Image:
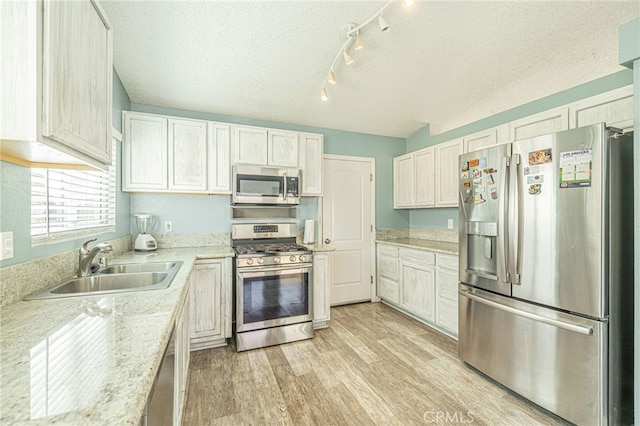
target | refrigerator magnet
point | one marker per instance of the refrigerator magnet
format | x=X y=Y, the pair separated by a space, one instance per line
x=494 y=193
x=540 y=157
x=464 y=175
x=535 y=179
x=474 y=163
x=479 y=199
x=490 y=180
x=464 y=166
x=535 y=189
x=482 y=162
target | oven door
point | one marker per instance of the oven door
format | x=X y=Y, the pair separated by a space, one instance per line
x=273 y=296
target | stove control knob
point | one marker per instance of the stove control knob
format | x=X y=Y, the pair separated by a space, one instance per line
x=260 y=261
x=276 y=259
x=303 y=258
x=249 y=261
x=292 y=258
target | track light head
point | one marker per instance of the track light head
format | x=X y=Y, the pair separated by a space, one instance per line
x=347 y=58
x=359 y=44
x=408 y=3
x=384 y=27
x=332 y=77
x=323 y=95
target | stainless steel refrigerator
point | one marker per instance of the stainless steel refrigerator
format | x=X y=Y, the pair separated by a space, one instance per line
x=546 y=271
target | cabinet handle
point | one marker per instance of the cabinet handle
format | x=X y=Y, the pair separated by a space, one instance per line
x=327 y=241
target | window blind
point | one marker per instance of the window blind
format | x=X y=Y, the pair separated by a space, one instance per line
x=66 y=204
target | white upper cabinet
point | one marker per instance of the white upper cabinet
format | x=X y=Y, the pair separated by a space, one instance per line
x=615 y=108
x=265 y=147
x=480 y=140
x=424 y=165
x=169 y=154
x=311 y=150
x=145 y=152
x=447 y=173
x=282 y=148
x=57 y=76
x=543 y=123
x=250 y=145
x=187 y=155
x=403 y=181
x=219 y=145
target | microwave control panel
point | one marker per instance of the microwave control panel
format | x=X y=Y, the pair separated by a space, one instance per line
x=292 y=187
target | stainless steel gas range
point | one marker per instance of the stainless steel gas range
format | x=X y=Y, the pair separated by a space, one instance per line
x=273 y=279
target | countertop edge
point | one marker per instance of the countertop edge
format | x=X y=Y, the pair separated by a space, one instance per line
x=420 y=244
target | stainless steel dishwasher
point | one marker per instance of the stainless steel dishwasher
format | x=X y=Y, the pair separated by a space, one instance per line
x=159 y=409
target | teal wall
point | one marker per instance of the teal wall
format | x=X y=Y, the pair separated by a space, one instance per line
x=337 y=142
x=15 y=199
x=437 y=218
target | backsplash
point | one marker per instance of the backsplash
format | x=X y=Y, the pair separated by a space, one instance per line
x=444 y=235
x=193 y=240
x=22 y=279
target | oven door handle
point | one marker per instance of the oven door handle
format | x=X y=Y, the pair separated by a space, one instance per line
x=261 y=271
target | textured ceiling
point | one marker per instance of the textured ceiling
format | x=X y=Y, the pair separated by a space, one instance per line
x=446 y=63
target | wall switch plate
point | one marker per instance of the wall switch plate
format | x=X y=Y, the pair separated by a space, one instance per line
x=450 y=223
x=168 y=227
x=6 y=245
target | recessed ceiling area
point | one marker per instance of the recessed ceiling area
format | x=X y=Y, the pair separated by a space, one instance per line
x=444 y=63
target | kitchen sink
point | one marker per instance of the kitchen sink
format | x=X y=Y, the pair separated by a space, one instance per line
x=115 y=279
x=128 y=268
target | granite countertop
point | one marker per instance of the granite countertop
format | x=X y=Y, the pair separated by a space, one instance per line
x=317 y=248
x=416 y=243
x=90 y=360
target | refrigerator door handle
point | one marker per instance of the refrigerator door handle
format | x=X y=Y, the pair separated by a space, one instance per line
x=502 y=232
x=576 y=328
x=514 y=220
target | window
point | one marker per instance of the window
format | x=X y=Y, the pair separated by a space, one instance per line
x=68 y=204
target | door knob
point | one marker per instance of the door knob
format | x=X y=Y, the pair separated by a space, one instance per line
x=327 y=241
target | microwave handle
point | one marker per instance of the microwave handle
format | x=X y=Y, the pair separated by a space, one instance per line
x=285 y=189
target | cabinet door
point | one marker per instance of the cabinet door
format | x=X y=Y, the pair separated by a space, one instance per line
x=182 y=357
x=447 y=293
x=145 y=152
x=321 y=288
x=207 y=313
x=76 y=78
x=403 y=184
x=447 y=173
x=540 y=124
x=614 y=108
x=418 y=290
x=424 y=164
x=250 y=145
x=219 y=169
x=480 y=140
x=282 y=148
x=187 y=155
x=311 y=150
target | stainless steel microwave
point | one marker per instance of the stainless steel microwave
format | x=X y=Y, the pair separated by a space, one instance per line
x=258 y=185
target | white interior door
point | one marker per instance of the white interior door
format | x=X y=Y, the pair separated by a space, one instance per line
x=347 y=225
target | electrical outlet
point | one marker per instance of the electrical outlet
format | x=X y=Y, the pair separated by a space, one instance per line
x=6 y=245
x=168 y=227
x=450 y=224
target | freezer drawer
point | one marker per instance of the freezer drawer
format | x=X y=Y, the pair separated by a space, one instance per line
x=554 y=359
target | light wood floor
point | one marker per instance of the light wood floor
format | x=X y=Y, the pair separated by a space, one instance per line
x=373 y=365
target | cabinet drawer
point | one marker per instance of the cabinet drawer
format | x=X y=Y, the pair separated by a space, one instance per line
x=385 y=250
x=448 y=315
x=419 y=256
x=448 y=262
x=388 y=290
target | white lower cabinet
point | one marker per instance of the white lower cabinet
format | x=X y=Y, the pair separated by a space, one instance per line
x=211 y=307
x=447 y=293
x=321 y=289
x=421 y=283
x=182 y=357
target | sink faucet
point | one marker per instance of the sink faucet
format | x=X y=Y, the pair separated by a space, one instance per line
x=87 y=256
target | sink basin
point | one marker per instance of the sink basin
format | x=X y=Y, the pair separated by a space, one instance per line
x=104 y=283
x=128 y=268
x=115 y=279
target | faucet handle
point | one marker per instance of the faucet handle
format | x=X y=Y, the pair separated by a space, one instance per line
x=85 y=245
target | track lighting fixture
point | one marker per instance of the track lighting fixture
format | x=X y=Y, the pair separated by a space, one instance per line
x=384 y=27
x=347 y=58
x=354 y=37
